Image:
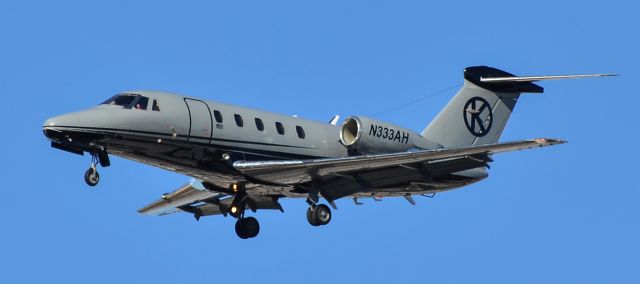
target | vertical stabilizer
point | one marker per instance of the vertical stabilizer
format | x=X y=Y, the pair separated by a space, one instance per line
x=479 y=112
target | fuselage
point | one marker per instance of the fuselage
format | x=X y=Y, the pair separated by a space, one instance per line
x=199 y=138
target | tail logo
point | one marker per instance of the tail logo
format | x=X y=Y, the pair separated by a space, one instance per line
x=474 y=110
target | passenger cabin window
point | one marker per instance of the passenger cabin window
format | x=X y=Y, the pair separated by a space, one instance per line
x=259 y=124
x=218 y=116
x=155 y=106
x=239 y=121
x=280 y=128
x=300 y=131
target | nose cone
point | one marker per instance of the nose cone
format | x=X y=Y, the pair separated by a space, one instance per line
x=60 y=120
x=50 y=122
x=77 y=124
x=72 y=119
x=49 y=128
x=54 y=126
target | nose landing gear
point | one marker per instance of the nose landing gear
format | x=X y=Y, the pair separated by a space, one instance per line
x=91 y=176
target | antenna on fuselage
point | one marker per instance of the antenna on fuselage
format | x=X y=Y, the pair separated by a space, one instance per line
x=334 y=120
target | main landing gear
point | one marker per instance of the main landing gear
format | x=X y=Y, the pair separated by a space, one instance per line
x=91 y=176
x=319 y=215
x=246 y=227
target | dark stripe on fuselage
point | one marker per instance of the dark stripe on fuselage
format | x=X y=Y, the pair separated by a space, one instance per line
x=243 y=150
x=182 y=136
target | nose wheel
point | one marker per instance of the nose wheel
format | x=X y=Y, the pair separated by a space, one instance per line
x=319 y=215
x=91 y=176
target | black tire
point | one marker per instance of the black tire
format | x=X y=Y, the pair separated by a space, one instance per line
x=251 y=227
x=321 y=215
x=240 y=229
x=310 y=218
x=247 y=228
x=91 y=177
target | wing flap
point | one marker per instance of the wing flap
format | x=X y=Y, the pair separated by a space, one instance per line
x=185 y=195
x=300 y=171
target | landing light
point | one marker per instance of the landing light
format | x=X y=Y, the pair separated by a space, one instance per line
x=234 y=209
x=235 y=187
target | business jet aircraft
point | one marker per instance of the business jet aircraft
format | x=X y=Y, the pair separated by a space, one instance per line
x=243 y=158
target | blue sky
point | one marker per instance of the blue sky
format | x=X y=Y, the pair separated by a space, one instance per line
x=561 y=214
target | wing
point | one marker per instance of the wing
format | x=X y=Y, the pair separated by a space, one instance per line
x=339 y=176
x=202 y=202
x=302 y=171
x=183 y=196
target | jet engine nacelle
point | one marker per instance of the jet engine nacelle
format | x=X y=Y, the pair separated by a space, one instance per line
x=368 y=136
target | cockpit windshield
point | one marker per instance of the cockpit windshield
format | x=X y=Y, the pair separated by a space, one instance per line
x=128 y=101
x=123 y=100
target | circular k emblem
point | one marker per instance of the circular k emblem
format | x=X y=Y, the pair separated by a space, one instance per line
x=478 y=116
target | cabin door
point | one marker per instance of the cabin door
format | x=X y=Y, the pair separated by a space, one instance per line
x=200 y=121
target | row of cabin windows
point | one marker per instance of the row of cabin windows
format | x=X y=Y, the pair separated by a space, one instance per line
x=259 y=124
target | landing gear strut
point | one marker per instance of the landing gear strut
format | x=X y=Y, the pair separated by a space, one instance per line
x=319 y=215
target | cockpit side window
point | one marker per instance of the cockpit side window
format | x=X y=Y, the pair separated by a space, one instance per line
x=155 y=106
x=142 y=103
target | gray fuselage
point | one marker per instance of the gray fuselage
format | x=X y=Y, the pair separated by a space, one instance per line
x=202 y=138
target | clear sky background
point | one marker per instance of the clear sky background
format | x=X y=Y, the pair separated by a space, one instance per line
x=566 y=213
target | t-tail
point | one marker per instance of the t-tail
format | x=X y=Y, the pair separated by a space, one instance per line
x=479 y=112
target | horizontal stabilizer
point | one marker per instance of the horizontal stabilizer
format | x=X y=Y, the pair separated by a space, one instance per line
x=499 y=81
x=539 y=78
